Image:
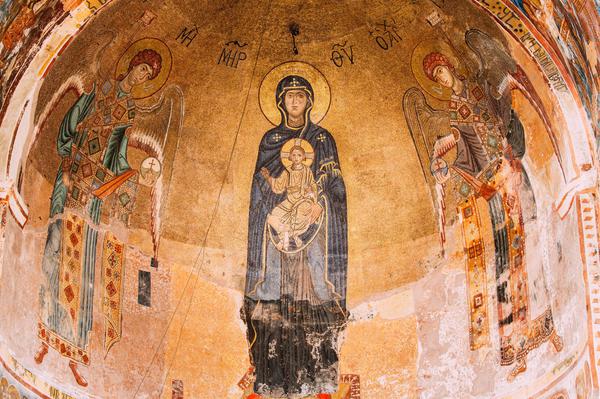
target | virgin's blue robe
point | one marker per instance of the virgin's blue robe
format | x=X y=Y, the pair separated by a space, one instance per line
x=294 y=340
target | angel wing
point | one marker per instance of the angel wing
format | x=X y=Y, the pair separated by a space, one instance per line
x=493 y=60
x=426 y=125
x=98 y=57
x=95 y=55
x=156 y=132
x=74 y=83
x=498 y=69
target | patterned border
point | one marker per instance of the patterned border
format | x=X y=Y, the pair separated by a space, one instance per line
x=479 y=326
x=65 y=348
x=514 y=24
x=587 y=210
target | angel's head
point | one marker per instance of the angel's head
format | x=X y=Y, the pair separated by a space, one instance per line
x=438 y=68
x=144 y=66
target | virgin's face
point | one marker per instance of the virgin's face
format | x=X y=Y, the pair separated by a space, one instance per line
x=295 y=102
x=443 y=76
x=139 y=74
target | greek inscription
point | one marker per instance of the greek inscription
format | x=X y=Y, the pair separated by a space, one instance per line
x=187 y=36
x=232 y=54
x=512 y=22
x=386 y=34
x=342 y=52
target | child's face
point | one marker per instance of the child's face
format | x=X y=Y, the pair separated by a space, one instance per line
x=296 y=156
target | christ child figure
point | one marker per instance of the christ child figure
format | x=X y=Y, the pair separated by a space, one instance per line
x=294 y=215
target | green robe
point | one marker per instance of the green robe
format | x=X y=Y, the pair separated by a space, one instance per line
x=75 y=145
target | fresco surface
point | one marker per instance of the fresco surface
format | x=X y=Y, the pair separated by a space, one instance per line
x=284 y=199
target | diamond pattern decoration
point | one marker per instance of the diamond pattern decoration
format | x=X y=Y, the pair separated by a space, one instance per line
x=464 y=111
x=110 y=289
x=100 y=174
x=124 y=198
x=69 y=293
x=94 y=146
x=477 y=93
x=86 y=170
x=119 y=112
x=492 y=142
x=468 y=212
x=74 y=239
x=113 y=260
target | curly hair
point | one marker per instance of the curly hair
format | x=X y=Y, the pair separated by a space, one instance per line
x=434 y=60
x=146 y=56
x=299 y=148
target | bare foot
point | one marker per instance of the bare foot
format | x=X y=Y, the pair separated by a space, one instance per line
x=520 y=367
x=41 y=353
x=78 y=377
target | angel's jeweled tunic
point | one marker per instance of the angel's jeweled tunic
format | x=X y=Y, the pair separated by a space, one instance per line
x=525 y=320
x=92 y=142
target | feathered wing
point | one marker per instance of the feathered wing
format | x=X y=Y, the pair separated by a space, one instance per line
x=97 y=56
x=156 y=132
x=503 y=74
x=74 y=83
x=425 y=125
x=494 y=61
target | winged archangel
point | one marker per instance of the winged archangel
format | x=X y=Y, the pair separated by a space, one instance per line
x=96 y=186
x=472 y=150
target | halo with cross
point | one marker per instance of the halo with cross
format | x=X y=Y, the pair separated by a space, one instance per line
x=309 y=152
x=268 y=88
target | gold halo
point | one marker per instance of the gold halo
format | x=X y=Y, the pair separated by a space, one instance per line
x=419 y=53
x=268 y=88
x=287 y=146
x=149 y=87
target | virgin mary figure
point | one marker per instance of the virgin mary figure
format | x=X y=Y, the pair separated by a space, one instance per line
x=295 y=294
